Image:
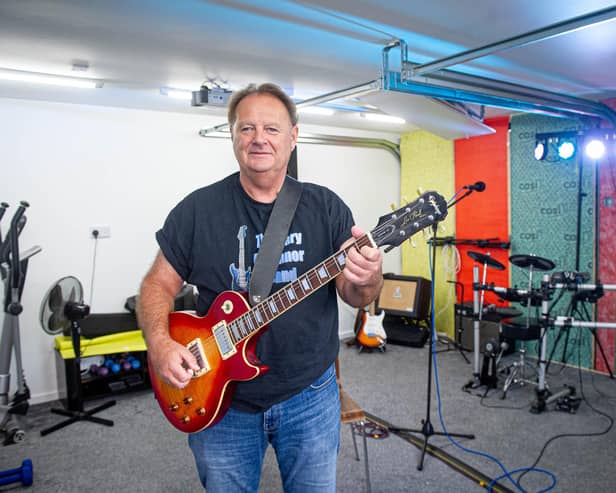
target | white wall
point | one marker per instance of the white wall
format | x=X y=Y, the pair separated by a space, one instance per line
x=81 y=165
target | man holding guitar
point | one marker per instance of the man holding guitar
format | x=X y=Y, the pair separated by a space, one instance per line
x=236 y=389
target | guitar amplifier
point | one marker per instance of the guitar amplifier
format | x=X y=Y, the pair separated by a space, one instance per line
x=405 y=296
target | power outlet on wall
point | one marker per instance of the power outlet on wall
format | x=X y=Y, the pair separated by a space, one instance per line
x=100 y=231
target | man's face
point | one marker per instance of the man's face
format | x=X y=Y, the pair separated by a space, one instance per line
x=263 y=137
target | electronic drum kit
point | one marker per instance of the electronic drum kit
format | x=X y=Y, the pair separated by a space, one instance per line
x=516 y=327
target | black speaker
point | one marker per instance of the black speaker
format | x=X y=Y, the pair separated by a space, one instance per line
x=405 y=331
x=102 y=324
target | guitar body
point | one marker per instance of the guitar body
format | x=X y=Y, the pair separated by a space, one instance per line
x=371 y=333
x=204 y=401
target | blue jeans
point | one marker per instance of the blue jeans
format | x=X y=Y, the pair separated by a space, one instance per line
x=304 y=431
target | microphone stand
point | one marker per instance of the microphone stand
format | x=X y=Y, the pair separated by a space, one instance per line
x=462 y=197
x=427 y=430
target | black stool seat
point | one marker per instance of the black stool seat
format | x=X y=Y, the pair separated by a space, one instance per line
x=521 y=328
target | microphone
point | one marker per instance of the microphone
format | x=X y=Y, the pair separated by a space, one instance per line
x=478 y=186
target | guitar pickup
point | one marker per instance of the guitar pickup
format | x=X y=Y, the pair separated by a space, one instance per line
x=223 y=340
x=196 y=348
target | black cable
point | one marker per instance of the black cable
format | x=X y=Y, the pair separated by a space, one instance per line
x=582 y=435
x=95 y=235
x=511 y=408
x=601 y=393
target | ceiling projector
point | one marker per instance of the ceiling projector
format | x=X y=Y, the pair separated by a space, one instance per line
x=206 y=96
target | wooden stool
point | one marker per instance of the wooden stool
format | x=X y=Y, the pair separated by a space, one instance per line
x=351 y=413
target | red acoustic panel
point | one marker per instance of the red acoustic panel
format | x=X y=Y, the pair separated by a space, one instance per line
x=484 y=215
x=606 y=307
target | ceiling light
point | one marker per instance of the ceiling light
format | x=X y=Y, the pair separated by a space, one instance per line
x=315 y=110
x=566 y=149
x=55 y=80
x=595 y=149
x=176 y=93
x=380 y=117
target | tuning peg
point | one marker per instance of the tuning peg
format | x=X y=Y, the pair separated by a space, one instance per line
x=413 y=244
x=419 y=190
x=393 y=206
x=405 y=200
x=441 y=228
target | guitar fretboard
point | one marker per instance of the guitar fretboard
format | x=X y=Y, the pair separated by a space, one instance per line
x=291 y=294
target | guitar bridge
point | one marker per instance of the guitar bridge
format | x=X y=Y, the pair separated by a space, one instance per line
x=196 y=348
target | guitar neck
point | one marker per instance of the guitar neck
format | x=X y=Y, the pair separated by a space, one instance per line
x=391 y=230
x=291 y=294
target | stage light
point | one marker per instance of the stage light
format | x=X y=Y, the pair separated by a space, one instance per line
x=541 y=150
x=595 y=148
x=556 y=146
x=565 y=149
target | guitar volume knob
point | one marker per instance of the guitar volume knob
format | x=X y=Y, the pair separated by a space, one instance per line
x=188 y=399
x=185 y=420
x=174 y=406
x=201 y=411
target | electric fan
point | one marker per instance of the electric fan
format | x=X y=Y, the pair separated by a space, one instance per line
x=65 y=295
x=61 y=310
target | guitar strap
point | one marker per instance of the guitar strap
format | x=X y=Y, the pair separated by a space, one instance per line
x=273 y=241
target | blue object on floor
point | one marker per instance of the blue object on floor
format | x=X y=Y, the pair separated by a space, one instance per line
x=22 y=474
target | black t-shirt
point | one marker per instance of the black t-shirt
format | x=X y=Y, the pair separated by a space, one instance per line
x=211 y=239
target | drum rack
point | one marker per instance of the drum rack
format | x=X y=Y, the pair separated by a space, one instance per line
x=533 y=297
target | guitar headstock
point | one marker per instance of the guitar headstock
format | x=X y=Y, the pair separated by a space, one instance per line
x=398 y=226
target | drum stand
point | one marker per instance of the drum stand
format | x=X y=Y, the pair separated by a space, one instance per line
x=572 y=311
x=544 y=397
x=517 y=367
x=477 y=380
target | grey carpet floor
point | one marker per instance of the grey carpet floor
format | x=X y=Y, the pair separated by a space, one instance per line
x=142 y=452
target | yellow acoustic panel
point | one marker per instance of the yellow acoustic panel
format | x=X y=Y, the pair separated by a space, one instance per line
x=427 y=163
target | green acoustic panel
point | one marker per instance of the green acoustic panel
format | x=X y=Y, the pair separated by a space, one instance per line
x=544 y=211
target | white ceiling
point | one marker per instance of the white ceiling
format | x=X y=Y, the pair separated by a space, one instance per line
x=309 y=47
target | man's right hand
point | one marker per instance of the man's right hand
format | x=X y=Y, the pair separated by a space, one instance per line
x=172 y=362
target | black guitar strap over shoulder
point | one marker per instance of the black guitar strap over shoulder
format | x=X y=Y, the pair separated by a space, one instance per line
x=273 y=241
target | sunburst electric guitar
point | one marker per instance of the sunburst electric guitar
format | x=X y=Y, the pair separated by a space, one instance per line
x=224 y=340
x=371 y=333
